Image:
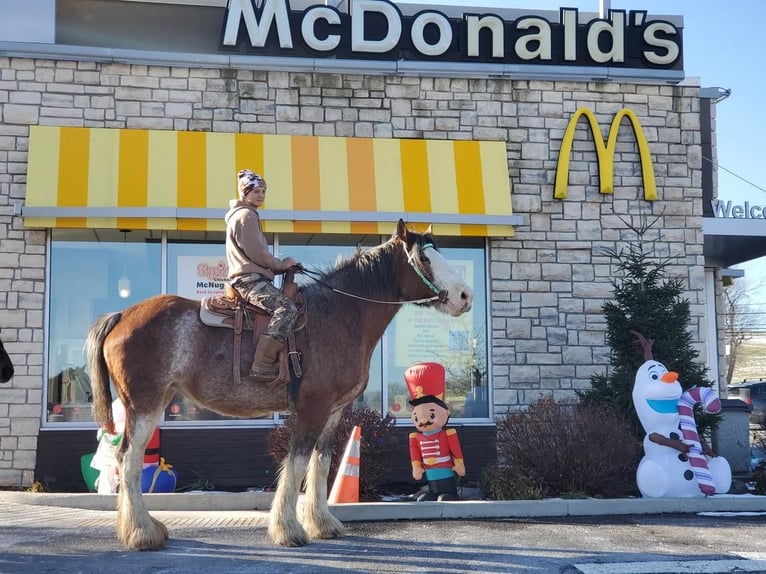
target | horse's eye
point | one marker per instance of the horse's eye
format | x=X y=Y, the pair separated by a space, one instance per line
x=424 y=259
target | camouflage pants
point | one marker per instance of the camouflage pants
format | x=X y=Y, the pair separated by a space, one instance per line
x=263 y=294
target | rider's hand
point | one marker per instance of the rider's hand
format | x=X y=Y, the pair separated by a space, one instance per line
x=288 y=262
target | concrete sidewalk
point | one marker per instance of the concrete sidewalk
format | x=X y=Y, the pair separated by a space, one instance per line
x=228 y=503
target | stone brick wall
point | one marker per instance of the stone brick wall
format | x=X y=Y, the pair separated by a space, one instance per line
x=547 y=283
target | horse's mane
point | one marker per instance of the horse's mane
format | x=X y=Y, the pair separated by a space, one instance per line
x=366 y=272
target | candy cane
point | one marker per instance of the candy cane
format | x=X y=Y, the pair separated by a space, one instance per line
x=710 y=402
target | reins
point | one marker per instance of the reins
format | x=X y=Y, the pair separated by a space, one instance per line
x=440 y=295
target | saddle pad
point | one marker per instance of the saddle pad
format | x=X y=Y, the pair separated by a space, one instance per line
x=213 y=319
x=218 y=311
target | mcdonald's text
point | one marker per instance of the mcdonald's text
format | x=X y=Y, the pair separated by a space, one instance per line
x=377 y=29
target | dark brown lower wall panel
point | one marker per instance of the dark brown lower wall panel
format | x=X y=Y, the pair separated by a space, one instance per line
x=228 y=459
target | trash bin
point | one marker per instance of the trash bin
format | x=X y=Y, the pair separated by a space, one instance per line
x=731 y=439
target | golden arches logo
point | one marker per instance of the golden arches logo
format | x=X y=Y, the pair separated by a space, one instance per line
x=605 y=153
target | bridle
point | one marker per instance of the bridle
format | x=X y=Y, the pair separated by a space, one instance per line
x=440 y=295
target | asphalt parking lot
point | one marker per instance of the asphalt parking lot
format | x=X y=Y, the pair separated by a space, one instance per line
x=404 y=537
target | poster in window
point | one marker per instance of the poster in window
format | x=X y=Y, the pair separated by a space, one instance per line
x=424 y=334
x=201 y=276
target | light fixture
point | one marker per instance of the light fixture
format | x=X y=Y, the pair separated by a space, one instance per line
x=123 y=287
x=123 y=283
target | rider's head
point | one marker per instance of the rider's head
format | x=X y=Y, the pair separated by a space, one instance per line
x=248 y=181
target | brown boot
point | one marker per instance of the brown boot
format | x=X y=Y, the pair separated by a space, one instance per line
x=265 y=365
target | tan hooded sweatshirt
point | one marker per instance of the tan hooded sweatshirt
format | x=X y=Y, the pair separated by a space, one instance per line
x=247 y=250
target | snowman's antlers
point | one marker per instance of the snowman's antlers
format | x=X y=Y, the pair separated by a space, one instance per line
x=646 y=345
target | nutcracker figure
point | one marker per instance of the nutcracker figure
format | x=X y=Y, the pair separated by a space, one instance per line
x=434 y=450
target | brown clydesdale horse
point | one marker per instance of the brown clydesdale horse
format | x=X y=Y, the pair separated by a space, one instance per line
x=159 y=347
x=6 y=366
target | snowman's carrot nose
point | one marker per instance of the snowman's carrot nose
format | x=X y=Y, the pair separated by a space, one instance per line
x=669 y=377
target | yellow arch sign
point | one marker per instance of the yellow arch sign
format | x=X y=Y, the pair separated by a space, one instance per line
x=605 y=153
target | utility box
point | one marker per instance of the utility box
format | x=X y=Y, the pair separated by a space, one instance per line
x=731 y=439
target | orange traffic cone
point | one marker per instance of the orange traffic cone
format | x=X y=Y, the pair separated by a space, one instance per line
x=346 y=485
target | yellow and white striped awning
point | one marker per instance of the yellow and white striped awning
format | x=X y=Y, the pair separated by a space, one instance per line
x=153 y=179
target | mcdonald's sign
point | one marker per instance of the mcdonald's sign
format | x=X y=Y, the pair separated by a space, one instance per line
x=605 y=153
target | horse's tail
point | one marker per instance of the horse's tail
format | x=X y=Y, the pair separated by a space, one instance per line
x=99 y=372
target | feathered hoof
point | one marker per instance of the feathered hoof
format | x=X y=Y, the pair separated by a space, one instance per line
x=291 y=537
x=161 y=526
x=326 y=529
x=150 y=538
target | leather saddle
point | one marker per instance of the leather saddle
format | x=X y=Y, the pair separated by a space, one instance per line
x=233 y=312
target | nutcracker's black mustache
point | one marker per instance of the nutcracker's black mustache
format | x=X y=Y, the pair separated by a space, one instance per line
x=425 y=424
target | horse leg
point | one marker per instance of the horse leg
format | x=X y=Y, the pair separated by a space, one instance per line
x=318 y=521
x=284 y=527
x=135 y=526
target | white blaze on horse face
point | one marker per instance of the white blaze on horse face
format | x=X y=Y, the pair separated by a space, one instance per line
x=459 y=294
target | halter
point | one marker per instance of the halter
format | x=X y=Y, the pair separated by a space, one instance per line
x=441 y=296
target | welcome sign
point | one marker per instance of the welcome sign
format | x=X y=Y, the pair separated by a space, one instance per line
x=377 y=29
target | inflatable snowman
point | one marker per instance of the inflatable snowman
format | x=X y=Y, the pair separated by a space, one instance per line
x=673 y=464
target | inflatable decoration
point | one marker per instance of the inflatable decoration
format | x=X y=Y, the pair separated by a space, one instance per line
x=103 y=476
x=674 y=463
x=434 y=450
x=158 y=477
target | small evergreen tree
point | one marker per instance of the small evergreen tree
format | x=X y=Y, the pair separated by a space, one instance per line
x=648 y=302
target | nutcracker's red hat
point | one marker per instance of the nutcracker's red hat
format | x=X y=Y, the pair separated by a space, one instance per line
x=425 y=382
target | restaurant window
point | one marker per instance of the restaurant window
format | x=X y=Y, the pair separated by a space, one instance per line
x=98 y=271
x=92 y=272
x=320 y=253
x=418 y=334
x=196 y=268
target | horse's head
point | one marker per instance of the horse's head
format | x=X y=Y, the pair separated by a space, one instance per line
x=431 y=274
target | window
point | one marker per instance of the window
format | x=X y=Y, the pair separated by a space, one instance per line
x=98 y=271
x=321 y=253
x=196 y=268
x=92 y=272
x=419 y=334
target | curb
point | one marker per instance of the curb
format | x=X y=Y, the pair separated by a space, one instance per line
x=376 y=511
x=553 y=507
x=182 y=501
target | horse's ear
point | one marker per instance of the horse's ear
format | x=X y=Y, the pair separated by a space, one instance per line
x=401 y=230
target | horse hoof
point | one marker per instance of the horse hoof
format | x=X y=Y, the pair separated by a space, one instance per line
x=162 y=527
x=150 y=537
x=326 y=530
x=330 y=534
x=294 y=540
x=140 y=540
x=295 y=543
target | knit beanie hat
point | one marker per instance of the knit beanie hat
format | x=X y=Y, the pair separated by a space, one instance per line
x=246 y=180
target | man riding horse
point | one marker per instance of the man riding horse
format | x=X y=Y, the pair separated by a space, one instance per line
x=159 y=347
x=251 y=271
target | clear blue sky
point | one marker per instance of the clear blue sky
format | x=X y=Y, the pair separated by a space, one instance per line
x=724 y=43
